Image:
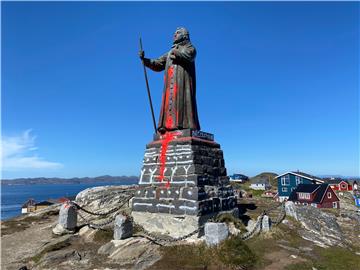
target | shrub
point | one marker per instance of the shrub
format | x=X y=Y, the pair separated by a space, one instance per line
x=233 y=252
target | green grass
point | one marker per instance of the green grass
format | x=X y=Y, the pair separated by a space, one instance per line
x=232 y=253
x=229 y=218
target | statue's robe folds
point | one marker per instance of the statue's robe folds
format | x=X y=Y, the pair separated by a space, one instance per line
x=178 y=106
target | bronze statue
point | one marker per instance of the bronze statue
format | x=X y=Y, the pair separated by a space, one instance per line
x=178 y=106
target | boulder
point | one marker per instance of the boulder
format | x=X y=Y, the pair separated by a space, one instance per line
x=215 y=233
x=318 y=226
x=68 y=216
x=102 y=200
x=140 y=253
x=123 y=227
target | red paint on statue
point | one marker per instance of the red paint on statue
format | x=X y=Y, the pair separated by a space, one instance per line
x=166 y=139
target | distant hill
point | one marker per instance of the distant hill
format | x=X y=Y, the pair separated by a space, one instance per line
x=75 y=180
x=268 y=175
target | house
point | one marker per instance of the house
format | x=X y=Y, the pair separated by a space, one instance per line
x=339 y=184
x=31 y=206
x=28 y=207
x=239 y=178
x=260 y=184
x=42 y=205
x=288 y=181
x=269 y=194
x=316 y=195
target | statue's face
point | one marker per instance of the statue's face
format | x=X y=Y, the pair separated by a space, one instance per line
x=179 y=35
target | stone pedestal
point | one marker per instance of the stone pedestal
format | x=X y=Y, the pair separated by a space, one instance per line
x=183 y=174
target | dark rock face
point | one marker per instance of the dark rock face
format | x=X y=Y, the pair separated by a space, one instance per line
x=183 y=173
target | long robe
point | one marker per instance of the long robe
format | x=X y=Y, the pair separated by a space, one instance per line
x=178 y=106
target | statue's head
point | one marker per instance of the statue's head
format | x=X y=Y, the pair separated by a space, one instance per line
x=181 y=34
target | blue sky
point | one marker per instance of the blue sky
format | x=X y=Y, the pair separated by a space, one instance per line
x=277 y=83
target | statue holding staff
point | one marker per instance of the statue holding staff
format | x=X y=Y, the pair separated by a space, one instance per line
x=178 y=106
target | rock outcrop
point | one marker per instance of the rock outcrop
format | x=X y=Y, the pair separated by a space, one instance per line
x=317 y=226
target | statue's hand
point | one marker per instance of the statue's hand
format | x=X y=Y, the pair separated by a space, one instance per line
x=173 y=54
x=141 y=54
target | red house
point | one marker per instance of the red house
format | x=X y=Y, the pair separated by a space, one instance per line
x=339 y=184
x=320 y=196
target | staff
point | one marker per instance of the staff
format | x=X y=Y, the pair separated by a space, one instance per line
x=148 y=88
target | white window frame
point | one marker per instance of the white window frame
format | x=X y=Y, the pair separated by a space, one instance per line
x=284 y=189
x=285 y=180
x=329 y=195
x=304 y=196
x=334 y=204
x=298 y=180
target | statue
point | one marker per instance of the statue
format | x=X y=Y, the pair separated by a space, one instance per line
x=178 y=106
x=183 y=180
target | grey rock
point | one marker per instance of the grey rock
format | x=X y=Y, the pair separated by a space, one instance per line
x=68 y=216
x=290 y=209
x=60 y=230
x=138 y=252
x=123 y=227
x=318 y=226
x=215 y=233
x=103 y=199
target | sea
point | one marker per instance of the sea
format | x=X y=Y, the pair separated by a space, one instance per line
x=14 y=196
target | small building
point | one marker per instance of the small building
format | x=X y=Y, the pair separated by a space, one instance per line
x=339 y=184
x=287 y=182
x=42 y=205
x=31 y=206
x=238 y=178
x=28 y=207
x=269 y=194
x=260 y=184
x=316 y=195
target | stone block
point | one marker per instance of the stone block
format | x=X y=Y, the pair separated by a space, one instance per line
x=123 y=227
x=266 y=223
x=68 y=216
x=143 y=205
x=215 y=233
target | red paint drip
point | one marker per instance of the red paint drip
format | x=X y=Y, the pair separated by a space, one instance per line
x=167 y=138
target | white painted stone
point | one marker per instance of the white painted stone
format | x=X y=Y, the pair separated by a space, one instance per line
x=215 y=233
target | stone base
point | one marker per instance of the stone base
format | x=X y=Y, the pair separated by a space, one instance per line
x=173 y=225
x=184 y=173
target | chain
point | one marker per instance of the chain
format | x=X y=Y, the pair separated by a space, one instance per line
x=107 y=222
x=106 y=213
x=97 y=225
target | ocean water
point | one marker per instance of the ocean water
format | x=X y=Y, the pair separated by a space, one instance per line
x=14 y=196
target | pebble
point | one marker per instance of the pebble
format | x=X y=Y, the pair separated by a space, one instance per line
x=293 y=256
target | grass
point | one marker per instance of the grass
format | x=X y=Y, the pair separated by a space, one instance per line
x=23 y=222
x=103 y=236
x=232 y=253
x=333 y=258
x=229 y=218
